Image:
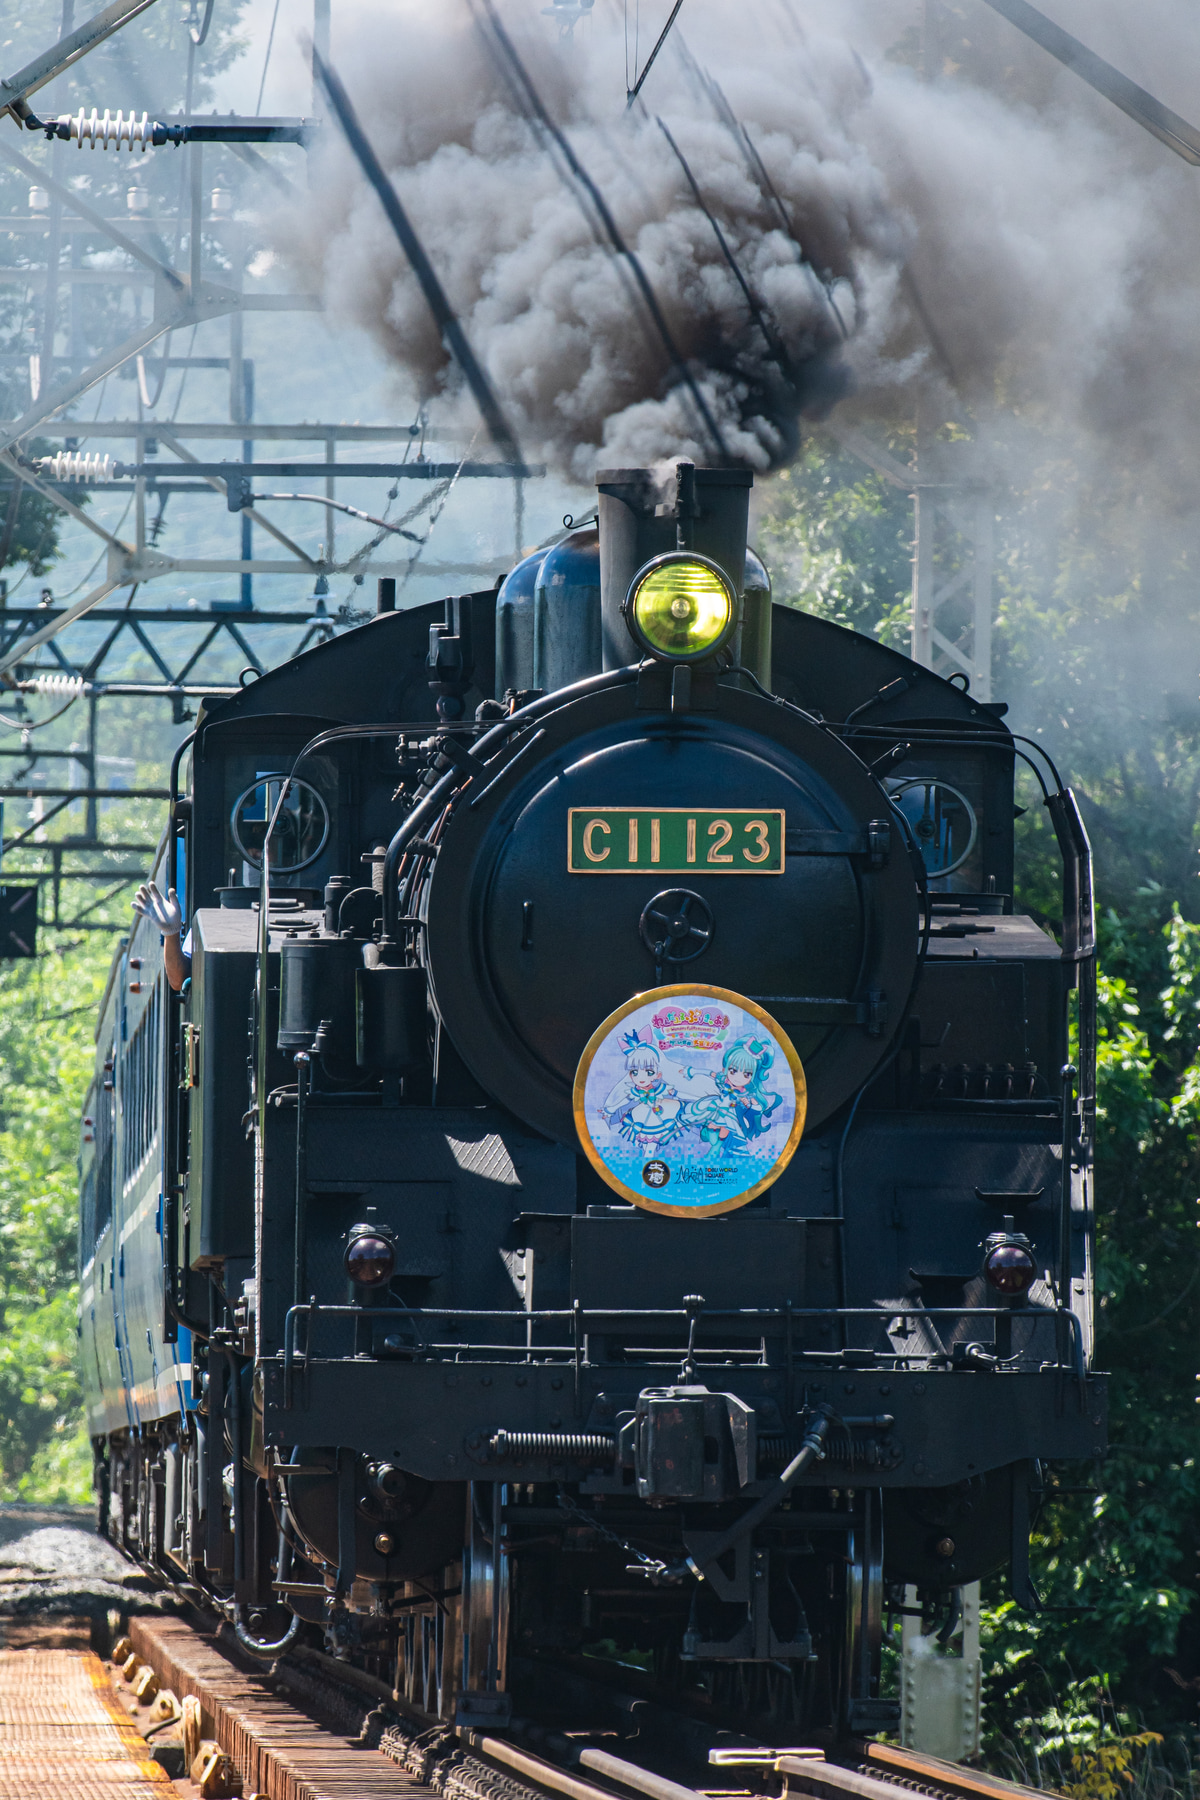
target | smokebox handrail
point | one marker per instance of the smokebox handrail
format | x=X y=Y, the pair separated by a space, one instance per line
x=428 y=808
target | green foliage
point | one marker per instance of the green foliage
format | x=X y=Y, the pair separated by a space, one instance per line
x=1108 y=1770
x=1096 y=606
x=47 y=1016
x=1096 y=611
x=837 y=539
x=1125 y=1557
x=29 y=523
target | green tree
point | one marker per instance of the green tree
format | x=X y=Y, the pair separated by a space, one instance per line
x=47 y=1020
x=1096 y=601
x=1126 y=1557
x=29 y=523
x=837 y=539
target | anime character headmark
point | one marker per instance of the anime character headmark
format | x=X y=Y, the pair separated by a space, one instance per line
x=646 y=1105
x=742 y=1106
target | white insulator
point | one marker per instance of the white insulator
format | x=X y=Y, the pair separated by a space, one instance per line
x=53 y=684
x=76 y=465
x=105 y=129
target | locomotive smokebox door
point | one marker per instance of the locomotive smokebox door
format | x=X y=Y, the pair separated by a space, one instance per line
x=762 y=841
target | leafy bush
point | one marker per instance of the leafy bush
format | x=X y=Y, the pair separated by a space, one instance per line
x=47 y=1017
x=1091 y=611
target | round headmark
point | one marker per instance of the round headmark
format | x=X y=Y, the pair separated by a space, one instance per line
x=689 y=1100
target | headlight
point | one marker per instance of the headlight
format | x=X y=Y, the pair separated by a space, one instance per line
x=1009 y=1265
x=681 y=608
x=370 y=1257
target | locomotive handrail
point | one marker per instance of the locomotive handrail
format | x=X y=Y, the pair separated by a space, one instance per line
x=580 y=1316
x=971 y=738
x=891 y=1310
x=172 y=788
x=427 y=808
x=917 y=863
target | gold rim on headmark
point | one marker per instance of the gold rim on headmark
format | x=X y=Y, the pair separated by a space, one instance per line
x=651 y=997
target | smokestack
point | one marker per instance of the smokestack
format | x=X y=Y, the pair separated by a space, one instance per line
x=642 y=516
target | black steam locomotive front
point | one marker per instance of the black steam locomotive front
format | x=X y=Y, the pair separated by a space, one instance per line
x=665 y=1216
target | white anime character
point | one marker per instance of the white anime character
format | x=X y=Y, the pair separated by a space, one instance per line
x=649 y=1105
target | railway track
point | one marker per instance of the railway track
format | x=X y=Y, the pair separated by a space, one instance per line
x=311 y=1728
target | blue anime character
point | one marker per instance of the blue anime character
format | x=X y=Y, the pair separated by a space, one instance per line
x=741 y=1108
x=650 y=1106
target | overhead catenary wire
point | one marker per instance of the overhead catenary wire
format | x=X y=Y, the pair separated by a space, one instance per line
x=426 y=500
x=633 y=92
x=761 y=175
x=439 y=491
x=453 y=335
x=85 y=580
x=267 y=59
x=355 y=512
x=415 y=558
x=539 y=117
x=775 y=344
x=26 y=725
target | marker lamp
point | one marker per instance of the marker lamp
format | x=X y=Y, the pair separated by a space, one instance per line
x=1010 y=1268
x=681 y=608
x=370 y=1257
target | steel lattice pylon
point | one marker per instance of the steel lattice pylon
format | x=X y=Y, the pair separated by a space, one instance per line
x=172 y=267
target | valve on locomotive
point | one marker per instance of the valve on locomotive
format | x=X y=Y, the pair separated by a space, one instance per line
x=347 y=999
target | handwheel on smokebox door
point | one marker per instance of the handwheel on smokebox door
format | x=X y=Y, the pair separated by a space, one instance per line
x=669 y=924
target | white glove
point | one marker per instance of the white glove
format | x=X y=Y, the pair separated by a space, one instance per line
x=166 y=914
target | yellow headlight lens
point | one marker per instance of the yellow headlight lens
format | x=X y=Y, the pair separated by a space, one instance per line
x=681 y=607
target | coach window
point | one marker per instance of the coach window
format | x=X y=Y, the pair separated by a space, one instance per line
x=105 y=1117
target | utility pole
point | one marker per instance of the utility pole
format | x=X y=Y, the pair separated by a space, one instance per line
x=953 y=523
x=320 y=48
x=953 y=562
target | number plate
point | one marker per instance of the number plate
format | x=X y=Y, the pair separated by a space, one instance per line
x=674 y=840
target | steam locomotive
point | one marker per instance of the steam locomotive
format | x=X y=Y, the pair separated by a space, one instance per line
x=613 y=1185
